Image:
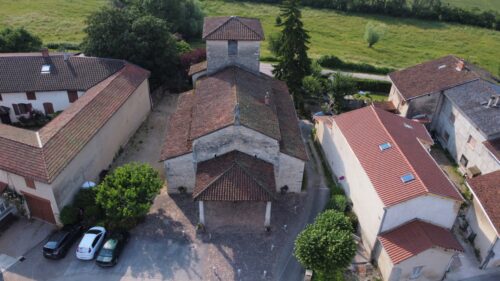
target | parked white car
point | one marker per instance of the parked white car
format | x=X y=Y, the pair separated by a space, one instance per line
x=90 y=243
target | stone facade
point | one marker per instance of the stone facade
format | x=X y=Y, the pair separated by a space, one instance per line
x=181 y=171
x=247 y=56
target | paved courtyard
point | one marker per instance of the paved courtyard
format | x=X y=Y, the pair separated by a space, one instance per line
x=167 y=246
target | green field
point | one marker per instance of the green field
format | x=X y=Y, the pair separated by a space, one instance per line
x=406 y=41
x=483 y=5
x=53 y=20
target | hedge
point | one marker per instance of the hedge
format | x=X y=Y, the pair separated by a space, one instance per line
x=334 y=62
x=373 y=85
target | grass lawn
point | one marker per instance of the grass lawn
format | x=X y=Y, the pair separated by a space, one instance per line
x=372 y=96
x=54 y=21
x=483 y=5
x=406 y=41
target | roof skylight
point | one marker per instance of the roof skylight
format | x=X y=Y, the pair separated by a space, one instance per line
x=45 y=68
x=408 y=126
x=407 y=177
x=384 y=146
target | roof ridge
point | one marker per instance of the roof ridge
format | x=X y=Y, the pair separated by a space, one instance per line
x=401 y=152
x=251 y=29
x=252 y=177
x=214 y=180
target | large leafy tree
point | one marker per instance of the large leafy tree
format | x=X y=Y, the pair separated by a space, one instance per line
x=134 y=36
x=127 y=194
x=339 y=86
x=326 y=246
x=293 y=63
x=19 y=40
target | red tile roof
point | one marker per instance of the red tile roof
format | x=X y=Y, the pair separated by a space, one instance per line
x=415 y=237
x=232 y=28
x=494 y=147
x=198 y=67
x=44 y=154
x=367 y=128
x=486 y=188
x=234 y=96
x=434 y=76
x=234 y=176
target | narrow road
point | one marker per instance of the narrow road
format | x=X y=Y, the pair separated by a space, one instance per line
x=318 y=195
x=267 y=69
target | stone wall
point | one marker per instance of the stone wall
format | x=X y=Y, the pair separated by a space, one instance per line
x=291 y=173
x=180 y=171
x=248 y=55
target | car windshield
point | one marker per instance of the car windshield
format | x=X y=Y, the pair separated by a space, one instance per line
x=51 y=245
x=94 y=231
x=106 y=253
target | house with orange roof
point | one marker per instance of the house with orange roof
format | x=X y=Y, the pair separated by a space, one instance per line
x=96 y=105
x=483 y=218
x=235 y=137
x=406 y=206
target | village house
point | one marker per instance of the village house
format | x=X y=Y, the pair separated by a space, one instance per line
x=461 y=105
x=483 y=218
x=235 y=136
x=97 y=105
x=405 y=204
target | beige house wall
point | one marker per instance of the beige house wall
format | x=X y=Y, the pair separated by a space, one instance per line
x=96 y=156
x=291 y=173
x=437 y=210
x=486 y=234
x=397 y=99
x=180 y=172
x=343 y=162
x=218 y=58
x=435 y=262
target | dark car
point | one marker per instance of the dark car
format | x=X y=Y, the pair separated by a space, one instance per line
x=59 y=243
x=110 y=251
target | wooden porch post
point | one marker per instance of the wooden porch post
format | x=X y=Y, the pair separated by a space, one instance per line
x=202 y=212
x=267 y=221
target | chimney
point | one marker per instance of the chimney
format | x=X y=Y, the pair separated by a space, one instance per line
x=460 y=65
x=267 y=98
x=66 y=56
x=45 y=52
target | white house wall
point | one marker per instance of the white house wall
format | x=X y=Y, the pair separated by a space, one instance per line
x=366 y=203
x=459 y=132
x=180 y=172
x=435 y=261
x=398 y=101
x=59 y=100
x=248 y=55
x=485 y=233
x=433 y=209
x=291 y=172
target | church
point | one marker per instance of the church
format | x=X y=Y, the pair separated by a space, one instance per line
x=235 y=137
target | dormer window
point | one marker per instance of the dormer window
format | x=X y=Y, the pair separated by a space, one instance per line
x=407 y=177
x=232 y=47
x=45 y=68
x=384 y=146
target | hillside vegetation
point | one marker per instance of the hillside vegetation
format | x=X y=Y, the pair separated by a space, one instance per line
x=483 y=5
x=406 y=41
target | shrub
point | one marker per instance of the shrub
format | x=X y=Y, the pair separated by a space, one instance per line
x=63 y=46
x=354 y=220
x=183 y=47
x=331 y=61
x=373 y=85
x=18 y=40
x=69 y=215
x=372 y=34
x=337 y=202
x=85 y=198
x=193 y=57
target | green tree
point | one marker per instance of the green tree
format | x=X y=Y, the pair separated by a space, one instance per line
x=312 y=86
x=293 y=63
x=126 y=195
x=19 y=40
x=129 y=34
x=326 y=246
x=339 y=86
x=373 y=34
x=184 y=16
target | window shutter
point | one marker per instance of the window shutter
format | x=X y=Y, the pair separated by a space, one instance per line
x=48 y=107
x=31 y=95
x=16 y=109
x=1 y=97
x=72 y=96
x=29 y=107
